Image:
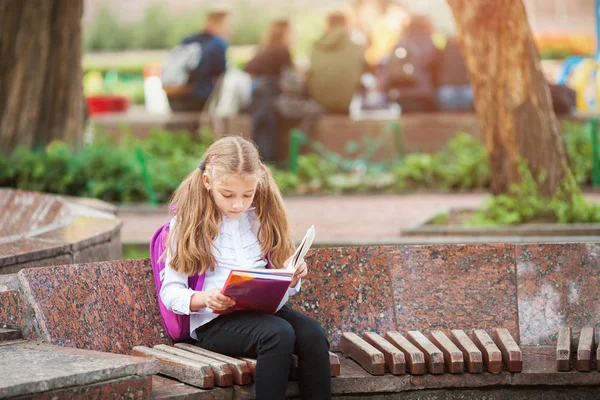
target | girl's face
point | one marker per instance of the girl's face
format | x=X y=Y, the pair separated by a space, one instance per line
x=232 y=195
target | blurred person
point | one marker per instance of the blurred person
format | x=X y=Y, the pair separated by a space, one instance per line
x=337 y=63
x=279 y=90
x=409 y=72
x=376 y=24
x=454 y=92
x=193 y=67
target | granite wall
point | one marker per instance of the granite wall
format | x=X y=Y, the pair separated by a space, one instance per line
x=530 y=289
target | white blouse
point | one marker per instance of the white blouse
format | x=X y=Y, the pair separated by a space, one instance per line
x=236 y=247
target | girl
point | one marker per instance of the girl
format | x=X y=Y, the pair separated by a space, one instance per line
x=230 y=215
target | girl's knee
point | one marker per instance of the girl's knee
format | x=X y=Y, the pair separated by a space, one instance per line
x=311 y=334
x=279 y=333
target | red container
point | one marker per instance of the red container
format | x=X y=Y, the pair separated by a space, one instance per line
x=105 y=104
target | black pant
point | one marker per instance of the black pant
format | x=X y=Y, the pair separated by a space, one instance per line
x=265 y=120
x=272 y=339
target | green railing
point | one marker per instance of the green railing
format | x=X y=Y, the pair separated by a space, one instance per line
x=358 y=154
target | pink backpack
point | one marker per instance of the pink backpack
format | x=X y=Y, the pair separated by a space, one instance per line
x=177 y=326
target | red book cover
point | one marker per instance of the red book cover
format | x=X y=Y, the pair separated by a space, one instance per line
x=260 y=290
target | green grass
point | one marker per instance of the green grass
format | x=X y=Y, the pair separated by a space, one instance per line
x=135 y=251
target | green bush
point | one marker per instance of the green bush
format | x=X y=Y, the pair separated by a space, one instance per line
x=461 y=164
x=579 y=148
x=524 y=203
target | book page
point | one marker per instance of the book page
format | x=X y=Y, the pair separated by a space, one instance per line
x=302 y=249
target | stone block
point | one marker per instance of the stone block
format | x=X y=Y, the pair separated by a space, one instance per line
x=30 y=368
x=463 y=297
x=559 y=285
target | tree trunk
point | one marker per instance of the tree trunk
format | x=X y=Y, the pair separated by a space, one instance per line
x=512 y=97
x=41 y=95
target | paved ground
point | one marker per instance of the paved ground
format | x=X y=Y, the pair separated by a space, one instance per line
x=337 y=219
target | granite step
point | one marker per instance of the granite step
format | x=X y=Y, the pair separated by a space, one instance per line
x=32 y=368
x=7 y=334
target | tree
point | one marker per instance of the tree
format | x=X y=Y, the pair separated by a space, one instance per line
x=41 y=95
x=512 y=97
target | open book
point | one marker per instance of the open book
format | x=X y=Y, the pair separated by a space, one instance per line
x=261 y=289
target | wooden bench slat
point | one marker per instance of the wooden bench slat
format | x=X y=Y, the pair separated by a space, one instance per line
x=394 y=357
x=563 y=349
x=470 y=351
x=453 y=356
x=584 y=349
x=251 y=364
x=415 y=359
x=239 y=369
x=511 y=352
x=434 y=358
x=221 y=370
x=183 y=369
x=336 y=367
x=371 y=359
x=492 y=356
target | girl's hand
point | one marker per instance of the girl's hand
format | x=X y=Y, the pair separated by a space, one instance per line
x=214 y=300
x=301 y=272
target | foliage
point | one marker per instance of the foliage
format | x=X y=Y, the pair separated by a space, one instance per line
x=106 y=170
x=106 y=33
x=461 y=164
x=161 y=29
x=579 y=148
x=524 y=203
x=115 y=170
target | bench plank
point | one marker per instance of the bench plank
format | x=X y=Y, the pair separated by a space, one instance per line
x=371 y=359
x=251 y=362
x=434 y=358
x=584 y=350
x=453 y=356
x=184 y=369
x=394 y=357
x=492 y=357
x=511 y=352
x=221 y=370
x=239 y=369
x=336 y=367
x=470 y=352
x=415 y=359
x=563 y=349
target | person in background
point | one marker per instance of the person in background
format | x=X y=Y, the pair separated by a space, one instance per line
x=200 y=58
x=454 y=92
x=337 y=64
x=408 y=74
x=267 y=67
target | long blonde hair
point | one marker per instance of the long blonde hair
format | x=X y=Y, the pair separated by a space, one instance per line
x=198 y=218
